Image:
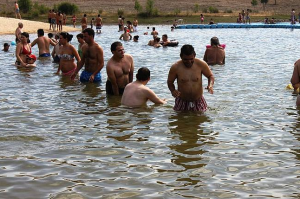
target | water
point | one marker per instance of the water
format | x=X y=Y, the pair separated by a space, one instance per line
x=63 y=139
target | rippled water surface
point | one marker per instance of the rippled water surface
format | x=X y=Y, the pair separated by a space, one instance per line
x=63 y=139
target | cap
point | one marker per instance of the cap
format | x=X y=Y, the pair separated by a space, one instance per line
x=32 y=56
x=6 y=44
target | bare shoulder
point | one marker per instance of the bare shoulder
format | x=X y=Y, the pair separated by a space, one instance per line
x=176 y=64
x=200 y=62
x=128 y=57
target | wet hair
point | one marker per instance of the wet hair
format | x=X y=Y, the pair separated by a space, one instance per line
x=89 y=31
x=25 y=34
x=114 y=45
x=84 y=15
x=40 y=32
x=99 y=15
x=143 y=74
x=214 y=41
x=187 y=50
x=157 y=39
x=50 y=35
x=20 y=24
x=136 y=37
x=6 y=44
x=153 y=28
x=67 y=36
x=165 y=35
x=80 y=35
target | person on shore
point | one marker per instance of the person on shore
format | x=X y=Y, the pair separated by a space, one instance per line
x=201 y=19
x=49 y=19
x=18 y=32
x=243 y=16
x=98 y=24
x=74 y=21
x=53 y=20
x=23 y=49
x=295 y=80
x=135 y=24
x=84 y=22
x=5 y=47
x=43 y=44
x=64 y=18
x=293 y=16
x=60 y=21
x=92 y=59
x=67 y=55
x=81 y=44
x=126 y=36
x=154 y=32
x=215 y=54
x=119 y=70
x=188 y=71
x=165 y=41
x=247 y=16
x=17 y=11
x=136 y=94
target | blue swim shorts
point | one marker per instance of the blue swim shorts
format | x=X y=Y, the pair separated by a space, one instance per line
x=45 y=55
x=85 y=76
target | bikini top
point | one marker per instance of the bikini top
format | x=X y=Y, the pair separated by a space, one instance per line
x=25 y=51
x=66 y=57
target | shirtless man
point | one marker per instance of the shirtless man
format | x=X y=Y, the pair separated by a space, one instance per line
x=92 y=59
x=295 y=80
x=215 y=54
x=165 y=40
x=188 y=71
x=43 y=44
x=119 y=70
x=126 y=36
x=84 y=22
x=120 y=23
x=136 y=94
x=18 y=32
x=154 y=32
x=98 y=24
x=17 y=10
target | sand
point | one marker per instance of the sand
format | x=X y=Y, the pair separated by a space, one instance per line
x=9 y=25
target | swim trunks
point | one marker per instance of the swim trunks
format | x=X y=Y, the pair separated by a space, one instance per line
x=109 y=89
x=17 y=10
x=45 y=55
x=85 y=76
x=98 y=27
x=197 y=105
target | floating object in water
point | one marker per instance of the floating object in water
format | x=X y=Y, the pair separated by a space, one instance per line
x=13 y=43
x=289 y=87
x=173 y=43
x=222 y=45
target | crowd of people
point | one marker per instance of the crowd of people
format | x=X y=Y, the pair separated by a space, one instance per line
x=89 y=57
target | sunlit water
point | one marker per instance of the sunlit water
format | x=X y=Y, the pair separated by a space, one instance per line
x=63 y=139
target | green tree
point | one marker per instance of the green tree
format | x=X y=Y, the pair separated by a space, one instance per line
x=150 y=7
x=264 y=2
x=196 y=8
x=25 y=5
x=177 y=11
x=254 y=2
x=137 y=6
x=68 y=8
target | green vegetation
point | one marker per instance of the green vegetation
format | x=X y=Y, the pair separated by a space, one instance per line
x=213 y=9
x=25 y=5
x=120 y=12
x=68 y=8
x=196 y=8
x=137 y=6
x=254 y=3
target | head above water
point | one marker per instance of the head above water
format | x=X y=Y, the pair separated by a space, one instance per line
x=66 y=36
x=143 y=74
x=40 y=32
x=114 y=46
x=214 y=41
x=89 y=31
x=187 y=49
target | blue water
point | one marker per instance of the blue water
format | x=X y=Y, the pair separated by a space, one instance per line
x=64 y=139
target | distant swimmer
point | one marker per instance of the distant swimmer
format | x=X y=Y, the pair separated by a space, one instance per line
x=43 y=44
x=135 y=24
x=84 y=22
x=5 y=47
x=154 y=32
x=136 y=94
x=119 y=70
x=215 y=54
x=188 y=72
x=92 y=59
x=126 y=36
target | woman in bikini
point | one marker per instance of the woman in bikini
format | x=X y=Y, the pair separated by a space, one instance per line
x=23 y=49
x=67 y=55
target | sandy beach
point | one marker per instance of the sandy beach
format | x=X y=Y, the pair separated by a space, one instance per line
x=9 y=25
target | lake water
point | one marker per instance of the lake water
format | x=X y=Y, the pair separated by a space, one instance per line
x=62 y=139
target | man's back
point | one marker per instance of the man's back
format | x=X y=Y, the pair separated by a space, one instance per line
x=135 y=94
x=214 y=55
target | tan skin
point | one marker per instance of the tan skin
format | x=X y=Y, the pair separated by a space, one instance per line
x=43 y=44
x=188 y=73
x=21 y=57
x=67 y=65
x=120 y=69
x=84 y=23
x=92 y=57
x=214 y=55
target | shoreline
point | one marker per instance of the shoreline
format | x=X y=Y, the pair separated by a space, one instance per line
x=9 y=26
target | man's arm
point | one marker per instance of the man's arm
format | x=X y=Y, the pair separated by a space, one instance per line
x=209 y=75
x=34 y=42
x=112 y=78
x=205 y=56
x=100 y=62
x=171 y=78
x=121 y=36
x=153 y=97
x=80 y=63
x=131 y=69
x=52 y=42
